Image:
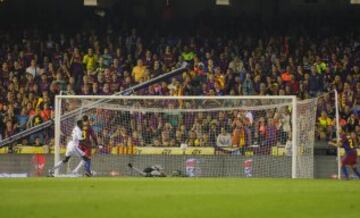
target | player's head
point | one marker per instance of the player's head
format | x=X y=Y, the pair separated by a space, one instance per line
x=85 y=120
x=80 y=124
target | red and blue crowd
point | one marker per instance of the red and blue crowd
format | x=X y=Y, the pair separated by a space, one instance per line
x=36 y=66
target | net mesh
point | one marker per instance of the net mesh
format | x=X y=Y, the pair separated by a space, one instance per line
x=196 y=136
x=305 y=133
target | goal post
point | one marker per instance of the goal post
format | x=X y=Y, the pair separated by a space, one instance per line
x=57 y=129
x=294 y=138
x=268 y=136
x=338 y=130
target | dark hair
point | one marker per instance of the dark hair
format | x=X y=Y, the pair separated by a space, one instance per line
x=79 y=123
x=85 y=118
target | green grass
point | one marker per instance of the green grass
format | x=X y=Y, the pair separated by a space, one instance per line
x=178 y=197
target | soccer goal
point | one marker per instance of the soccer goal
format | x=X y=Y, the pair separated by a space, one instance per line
x=242 y=136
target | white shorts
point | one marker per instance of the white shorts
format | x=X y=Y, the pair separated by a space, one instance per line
x=73 y=150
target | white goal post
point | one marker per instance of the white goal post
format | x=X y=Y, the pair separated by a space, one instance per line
x=276 y=132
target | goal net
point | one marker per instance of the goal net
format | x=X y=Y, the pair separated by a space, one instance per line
x=245 y=136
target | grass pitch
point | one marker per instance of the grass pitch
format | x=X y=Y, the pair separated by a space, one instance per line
x=178 y=197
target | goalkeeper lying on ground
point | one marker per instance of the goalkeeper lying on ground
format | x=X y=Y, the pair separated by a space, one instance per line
x=153 y=171
x=156 y=171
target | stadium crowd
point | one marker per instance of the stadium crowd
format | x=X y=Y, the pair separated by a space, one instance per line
x=36 y=66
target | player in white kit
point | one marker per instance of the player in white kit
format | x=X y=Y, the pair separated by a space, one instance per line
x=72 y=148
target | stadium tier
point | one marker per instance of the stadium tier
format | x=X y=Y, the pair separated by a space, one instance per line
x=101 y=60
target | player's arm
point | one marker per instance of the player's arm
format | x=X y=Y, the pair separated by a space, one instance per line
x=335 y=143
x=94 y=137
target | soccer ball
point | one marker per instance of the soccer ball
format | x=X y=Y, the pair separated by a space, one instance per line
x=114 y=173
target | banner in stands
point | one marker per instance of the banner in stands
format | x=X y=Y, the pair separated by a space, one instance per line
x=13 y=175
x=275 y=151
x=192 y=167
x=175 y=151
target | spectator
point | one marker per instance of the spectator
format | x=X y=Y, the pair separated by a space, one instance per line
x=239 y=134
x=60 y=82
x=193 y=140
x=325 y=125
x=107 y=59
x=22 y=119
x=315 y=83
x=90 y=60
x=351 y=123
x=165 y=138
x=213 y=132
x=187 y=54
x=247 y=85
x=223 y=139
x=10 y=129
x=138 y=72
x=33 y=69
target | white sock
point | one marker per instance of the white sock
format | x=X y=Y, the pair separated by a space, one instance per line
x=77 y=168
x=58 y=165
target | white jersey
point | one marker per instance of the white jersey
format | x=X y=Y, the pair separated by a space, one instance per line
x=76 y=136
x=72 y=148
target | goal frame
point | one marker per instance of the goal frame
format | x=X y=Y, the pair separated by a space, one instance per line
x=292 y=98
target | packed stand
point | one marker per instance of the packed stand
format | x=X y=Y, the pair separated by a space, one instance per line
x=34 y=69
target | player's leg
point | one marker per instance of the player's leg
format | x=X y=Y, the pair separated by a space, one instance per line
x=344 y=163
x=87 y=165
x=82 y=163
x=78 y=167
x=78 y=152
x=69 y=153
x=356 y=171
x=137 y=170
x=345 y=171
x=352 y=163
x=59 y=164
